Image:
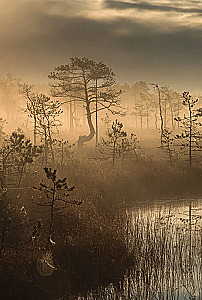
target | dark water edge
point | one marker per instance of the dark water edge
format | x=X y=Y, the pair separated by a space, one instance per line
x=154 y=241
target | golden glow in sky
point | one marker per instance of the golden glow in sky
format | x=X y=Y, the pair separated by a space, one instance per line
x=161 y=39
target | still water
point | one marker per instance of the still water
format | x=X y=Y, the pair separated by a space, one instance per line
x=164 y=239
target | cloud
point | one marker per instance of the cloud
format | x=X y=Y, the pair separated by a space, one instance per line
x=155 y=46
x=162 y=15
x=161 y=7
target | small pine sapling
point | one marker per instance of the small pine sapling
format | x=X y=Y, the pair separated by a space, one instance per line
x=18 y=151
x=129 y=147
x=57 y=193
x=191 y=136
x=64 y=153
x=167 y=144
x=110 y=147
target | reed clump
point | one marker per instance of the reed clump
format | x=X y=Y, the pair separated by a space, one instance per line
x=166 y=259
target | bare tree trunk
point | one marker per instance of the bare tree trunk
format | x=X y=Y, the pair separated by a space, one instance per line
x=160 y=112
x=178 y=111
x=96 y=114
x=165 y=114
x=190 y=136
x=156 y=120
x=51 y=144
x=86 y=138
x=46 y=148
x=190 y=233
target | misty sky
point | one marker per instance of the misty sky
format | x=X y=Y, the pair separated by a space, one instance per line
x=157 y=41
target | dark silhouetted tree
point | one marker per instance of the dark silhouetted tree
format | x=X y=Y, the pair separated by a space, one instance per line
x=89 y=83
x=111 y=145
x=17 y=151
x=168 y=144
x=191 y=135
x=45 y=113
x=57 y=194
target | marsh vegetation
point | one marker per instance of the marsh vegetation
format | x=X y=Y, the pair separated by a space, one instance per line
x=100 y=188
